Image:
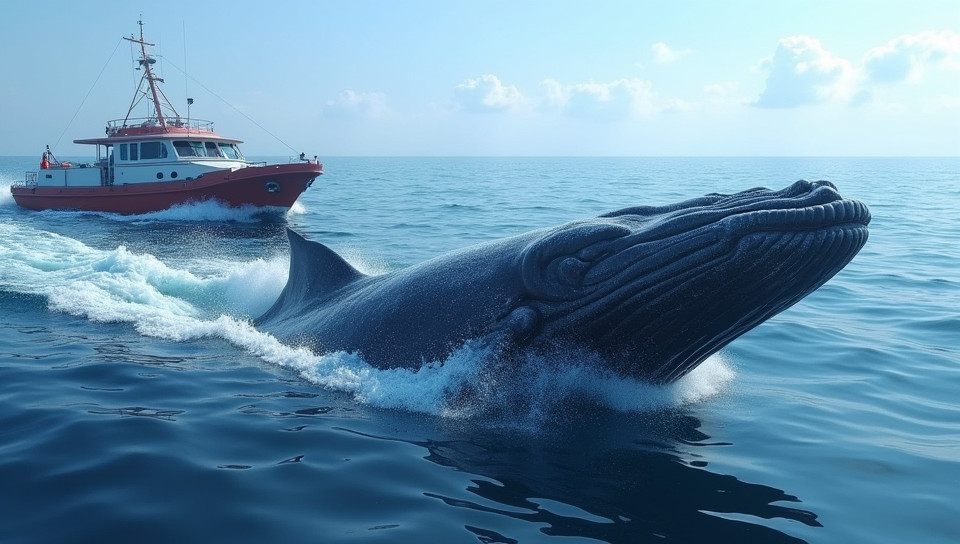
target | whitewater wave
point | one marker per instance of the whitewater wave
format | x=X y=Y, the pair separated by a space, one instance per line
x=206 y=211
x=172 y=303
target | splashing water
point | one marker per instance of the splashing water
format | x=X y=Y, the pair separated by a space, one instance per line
x=176 y=304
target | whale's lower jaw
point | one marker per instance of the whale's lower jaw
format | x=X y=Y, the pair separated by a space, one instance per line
x=672 y=327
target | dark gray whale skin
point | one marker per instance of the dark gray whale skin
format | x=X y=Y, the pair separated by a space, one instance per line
x=652 y=290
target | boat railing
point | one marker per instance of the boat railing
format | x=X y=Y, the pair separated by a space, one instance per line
x=29 y=179
x=191 y=125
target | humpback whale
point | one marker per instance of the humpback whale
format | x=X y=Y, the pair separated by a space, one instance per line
x=652 y=290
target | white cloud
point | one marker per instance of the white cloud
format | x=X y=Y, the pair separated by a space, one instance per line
x=903 y=58
x=608 y=101
x=802 y=72
x=602 y=101
x=663 y=54
x=351 y=104
x=487 y=94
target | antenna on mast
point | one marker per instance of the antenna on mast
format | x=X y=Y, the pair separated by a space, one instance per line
x=156 y=94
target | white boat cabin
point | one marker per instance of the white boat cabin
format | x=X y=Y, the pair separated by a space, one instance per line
x=179 y=154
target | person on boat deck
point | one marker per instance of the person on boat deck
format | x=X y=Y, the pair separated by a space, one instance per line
x=44 y=162
x=315 y=160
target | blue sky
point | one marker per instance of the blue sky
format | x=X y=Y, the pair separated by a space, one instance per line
x=450 y=77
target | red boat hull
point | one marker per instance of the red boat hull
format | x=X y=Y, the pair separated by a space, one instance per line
x=276 y=186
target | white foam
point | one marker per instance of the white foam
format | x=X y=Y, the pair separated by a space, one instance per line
x=521 y=394
x=121 y=286
x=297 y=209
x=210 y=210
x=6 y=198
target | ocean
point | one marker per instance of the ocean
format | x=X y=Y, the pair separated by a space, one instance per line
x=138 y=403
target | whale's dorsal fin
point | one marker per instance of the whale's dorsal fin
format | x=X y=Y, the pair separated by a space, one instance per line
x=315 y=269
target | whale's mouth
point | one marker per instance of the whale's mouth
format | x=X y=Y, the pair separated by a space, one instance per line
x=652 y=239
x=838 y=214
x=802 y=206
x=683 y=281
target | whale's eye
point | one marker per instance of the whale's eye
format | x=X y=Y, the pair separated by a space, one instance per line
x=571 y=270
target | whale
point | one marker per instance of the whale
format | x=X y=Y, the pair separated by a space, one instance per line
x=648 y=292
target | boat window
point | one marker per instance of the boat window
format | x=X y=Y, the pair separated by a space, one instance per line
x=212 y=150
x=183 y=149
x=133 y=152
x=187 y=148
x=153 y=150
x=231 y=151
x=123 y=152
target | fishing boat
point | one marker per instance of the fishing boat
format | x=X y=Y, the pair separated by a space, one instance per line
x=153 y=163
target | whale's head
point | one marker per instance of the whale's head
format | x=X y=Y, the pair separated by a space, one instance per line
x=655 y=290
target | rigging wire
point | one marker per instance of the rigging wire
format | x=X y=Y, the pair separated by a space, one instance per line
x=188 y=76
x=186 y=82
x=88 y=93
x=247 y=117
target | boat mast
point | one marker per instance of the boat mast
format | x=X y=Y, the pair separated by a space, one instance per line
x=146 y=61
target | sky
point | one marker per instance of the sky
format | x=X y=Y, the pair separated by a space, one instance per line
x=500 y=78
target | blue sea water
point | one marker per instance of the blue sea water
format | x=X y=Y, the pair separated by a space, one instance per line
x=139 y=404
